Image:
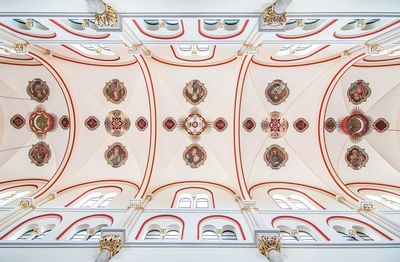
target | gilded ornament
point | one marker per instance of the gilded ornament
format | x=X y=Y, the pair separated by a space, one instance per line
x=24 y=204
x=112 y=243
x=108 y=18
x=268 y=243
x=272 y=19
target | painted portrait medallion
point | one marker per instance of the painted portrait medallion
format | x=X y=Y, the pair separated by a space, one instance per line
x=169 y=124
x=220 y=124
x=276 y=92
x=40 y=154
x=115 y=91
x=356 y=157
x=117 y=123
x=249 y=124
x=116 y=155
x=141 y=123
x=17 y=121
x=381 y=125
x=275 y=157
x=38 y=90
x=358 y=92
x=194 y=92
x=356 y=125
x=41 y=122
x=300 y=125
x=92 y=123
x=194 y=155
x=330 y=125
x=64 y=122
x=275 y=125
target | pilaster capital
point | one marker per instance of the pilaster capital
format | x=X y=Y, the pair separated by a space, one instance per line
x=27 y=202
x=268 y=240
x=112 y=239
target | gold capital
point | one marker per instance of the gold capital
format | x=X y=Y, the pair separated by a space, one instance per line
x=267 y=243
x=273 y=19
x=112 y=243
x=108 y=18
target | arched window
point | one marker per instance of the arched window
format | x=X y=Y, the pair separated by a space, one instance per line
x=280 y=201
x=91 y=201
x=209 y=235
x=346 y=236
x=387 y=200
x=10 y=196
x=107 y=199
x=202 y=203
x=153 y=234
x=42 y=235
x=299 y=204
x=228 y=235
x=96 y=235
x=79 y=236
x=185 y=202
x=364 y=236
x=286 y=236
x=305 y=236
x=27 y=235
x=172 y=234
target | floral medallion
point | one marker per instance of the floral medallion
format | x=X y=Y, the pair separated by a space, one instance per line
x=64 y=122
x=40 y=154
x=381 y=125
x=41 y=122
x=276 y=92
x=38 y=90
x=115 y=91
x=17 y=121
x=358 y=92
x=141 y=123
x=194 y=155
x=300 y=125
x=220 y=124
x=92 y=123
x=330 y=125
x=249 y=124
x=116 y=155
x=275 y=125
x=356 y=125
x=117 y=123
x=194 y=124
x=169 y=124
x=275 y=156
x=194 y=92
x=356 y=157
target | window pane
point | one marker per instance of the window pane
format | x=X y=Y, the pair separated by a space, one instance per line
x=364 y=237
x=172 y=234
x=202 y=203
x=282 y=204
x=347 y=237
x=153 y=234
x=209 y=235
x=285 y=236
x=228 y=235
x=26 y=235
x=95 y=236
x=80 y=235
x=299 y=204
x=41 y=236
x=185 y=203
x=306 y=236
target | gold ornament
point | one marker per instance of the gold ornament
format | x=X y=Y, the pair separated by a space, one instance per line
x=112 y=243
x=341 y=199
x=24 y=204
x=108 y=18
x=272 y=19
x=267 y=243
x=347 y=52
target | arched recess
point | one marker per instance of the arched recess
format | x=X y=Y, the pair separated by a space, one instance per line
x=160 y=217
x=223 y=217
x=331 y=219
x=58 y=217
x=66 y=232
x=275 y=221
x=189 y=188
x=91 y=190
x=298 y=192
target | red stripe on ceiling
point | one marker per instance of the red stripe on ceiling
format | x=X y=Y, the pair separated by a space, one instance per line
x=375 y=189
x=294 y=184
x=18 y=64
x=99 y=181
x=386 y=65
x=52 y=35
x=161 y=37
x=358 y=221
x=77 y=34
x=309 y=34
x=332 y=85
x=300 y=58
x=220 y=217
x=371 y=183
x=221 y=37
x=25 y=179
x=302 y=220
x=24 y=185
x=191 y=65
x=366 y=34
x=380 y=60
x=89 y=57
x=161 y=216
x=87 y=191
x=193 y=187
x=193 y=60
x=296 y=65
x=84 y=218
x=92 y=64
x=193 y=182
x=16 y=58
x=72 y=131
x=294 y=190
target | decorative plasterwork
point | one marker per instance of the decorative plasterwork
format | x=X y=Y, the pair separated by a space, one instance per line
x=358 y=92
x=64 y=122
x=249 y=124
x=194 y=155
x=41 y=122
x=92 y=123
x=330 y=125
x=115 y=91
x=381 y=125
x=38 y=90
x=276 y=92
x=275 y=125
x=194 y=124
x=220 y=124
x=117 y=123
x=356 y=125
x=141 y=123
x=275 y=156
x=109 y=18
x=17 y=121
x=194 y=92
x=169 y=124
x=116 y=155
x=40 y=154
x=356 y=157
x=112 y=243
x=269 y=242
x=272 y=19
x=300 y=125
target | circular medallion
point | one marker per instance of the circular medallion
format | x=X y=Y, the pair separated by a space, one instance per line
x=40 y=154
x=41 y=122
x=356 y=125
x=117 y=123
x=275 y=125
x=194 y=124
x=38 y=90
x=115 y=91
x=277 y=92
